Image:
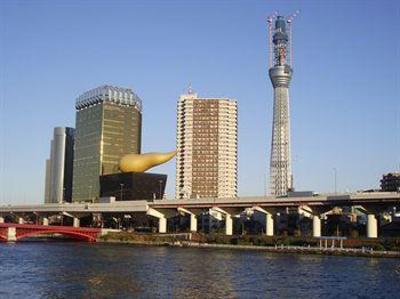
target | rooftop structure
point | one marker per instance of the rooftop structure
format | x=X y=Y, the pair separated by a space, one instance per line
x=107 y=93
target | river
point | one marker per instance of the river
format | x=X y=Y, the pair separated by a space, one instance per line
x=84 y=270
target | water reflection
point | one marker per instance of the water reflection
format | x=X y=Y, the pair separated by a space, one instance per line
x=71 y=270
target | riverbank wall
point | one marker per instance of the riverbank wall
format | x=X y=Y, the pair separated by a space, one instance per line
x=192 y=241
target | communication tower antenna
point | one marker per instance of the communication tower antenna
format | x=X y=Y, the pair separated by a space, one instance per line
x=280 y=73
x=190 y=89
x=270 y=21
x=289 y=22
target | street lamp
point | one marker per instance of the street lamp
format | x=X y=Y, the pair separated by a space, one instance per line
x=63 y=199
x=122 y=187
x=335 y=177
x=160 y=181
x=90 y=193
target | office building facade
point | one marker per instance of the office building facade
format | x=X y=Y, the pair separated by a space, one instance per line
x=108 y=126
x=206 y=159
x=59 y=167
x=391 y=182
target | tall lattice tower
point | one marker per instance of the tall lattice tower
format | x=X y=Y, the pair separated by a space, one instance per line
x=280 y=73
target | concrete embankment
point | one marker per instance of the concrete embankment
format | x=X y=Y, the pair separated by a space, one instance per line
x=301 y=250
x=274 y=249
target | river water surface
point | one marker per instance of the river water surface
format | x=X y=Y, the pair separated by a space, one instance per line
x=83 y=270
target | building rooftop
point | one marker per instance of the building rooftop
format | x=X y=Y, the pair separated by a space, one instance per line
x=108 y=93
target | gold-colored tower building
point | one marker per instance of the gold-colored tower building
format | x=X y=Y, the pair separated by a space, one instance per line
x=108 y=126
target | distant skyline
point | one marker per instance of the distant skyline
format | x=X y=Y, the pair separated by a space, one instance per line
x=345 y=105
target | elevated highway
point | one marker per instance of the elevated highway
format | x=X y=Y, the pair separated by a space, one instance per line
x=377 y=198
x=121 y=206
x=314 y=207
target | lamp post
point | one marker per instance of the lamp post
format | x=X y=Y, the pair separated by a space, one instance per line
x=90 y=193
x=160 y=181
x=335 y=178
x=122 y=187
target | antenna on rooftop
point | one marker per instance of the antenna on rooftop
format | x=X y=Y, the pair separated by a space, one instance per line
x=289 y=22
x=270 y=21
x=190 y=89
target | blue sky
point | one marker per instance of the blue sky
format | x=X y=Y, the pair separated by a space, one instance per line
x=345 y=92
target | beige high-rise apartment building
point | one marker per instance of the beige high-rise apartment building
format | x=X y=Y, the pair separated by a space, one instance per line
x=206 y=159
x=108 y=126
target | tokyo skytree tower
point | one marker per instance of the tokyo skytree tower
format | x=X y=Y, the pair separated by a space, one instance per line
x=280 y=73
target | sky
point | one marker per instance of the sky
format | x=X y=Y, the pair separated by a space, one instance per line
x=345 y=91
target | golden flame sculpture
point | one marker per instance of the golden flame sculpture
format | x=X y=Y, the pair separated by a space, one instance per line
x=143 y=162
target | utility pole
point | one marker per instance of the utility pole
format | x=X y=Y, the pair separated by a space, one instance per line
x=160 y=181
x=121 y=190
x=90 y=193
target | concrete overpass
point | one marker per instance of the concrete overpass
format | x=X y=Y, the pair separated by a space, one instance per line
x=314 y=207
x=375 y=198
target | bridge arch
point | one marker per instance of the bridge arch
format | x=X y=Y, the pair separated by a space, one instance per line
x=91 y=237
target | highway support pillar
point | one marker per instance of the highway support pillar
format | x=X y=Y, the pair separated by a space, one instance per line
x=76 y=222
x=269 y=220
x=193 y=218
x=45 y=221
x=193 y=223
x=372 y=226
x=228 y=218
x=372 y=211
x=12 y=234
x=316 y=226
x=162 y=218
x=316 y=214
x=228 y=225
x=1 y=219
x=162 y=225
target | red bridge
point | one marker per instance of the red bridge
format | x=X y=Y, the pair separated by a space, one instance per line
x=16 y=232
